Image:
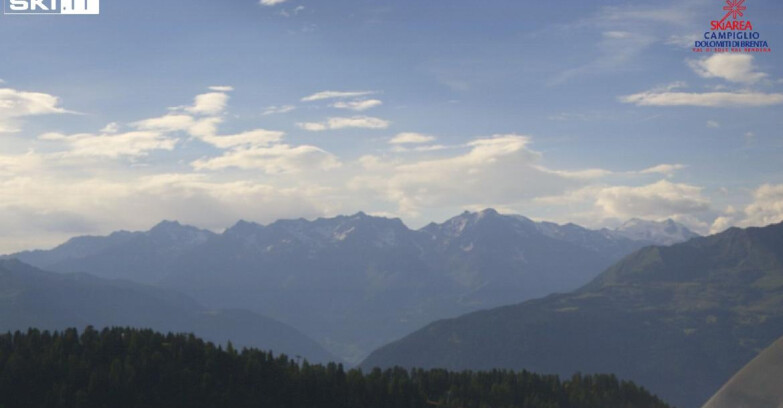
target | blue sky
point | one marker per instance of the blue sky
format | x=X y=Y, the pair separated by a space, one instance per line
x=212 y=111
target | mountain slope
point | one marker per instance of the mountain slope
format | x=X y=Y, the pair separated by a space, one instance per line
x=30 y=297
x=353 y=282
x=679 y=320
x=758 y=385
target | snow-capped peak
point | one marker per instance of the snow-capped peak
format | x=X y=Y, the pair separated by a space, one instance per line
x=665 y=232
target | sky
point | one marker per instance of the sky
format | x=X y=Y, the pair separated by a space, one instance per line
x=209 y=112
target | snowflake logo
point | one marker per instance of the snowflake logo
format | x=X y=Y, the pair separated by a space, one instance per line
x=734 y=9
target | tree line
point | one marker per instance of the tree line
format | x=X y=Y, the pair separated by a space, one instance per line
x=123 y=367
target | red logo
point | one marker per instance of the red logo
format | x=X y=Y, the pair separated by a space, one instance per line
x=734 y=9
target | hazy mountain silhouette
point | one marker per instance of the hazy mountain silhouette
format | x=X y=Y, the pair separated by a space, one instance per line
x=30 y=297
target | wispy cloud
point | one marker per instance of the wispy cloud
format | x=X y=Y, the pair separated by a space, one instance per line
x=276 y=110
x=622 y=33
x=257 y=137
x=411 y=138
x=667 y=170
x=359 y=106
x=293 y=12
x=221 y=88
x=706 y=99
x=271 y=2
x=335 y=95
x=360 y=122
x=616 y=49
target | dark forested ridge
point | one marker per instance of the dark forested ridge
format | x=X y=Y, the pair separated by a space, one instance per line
x=140 y=368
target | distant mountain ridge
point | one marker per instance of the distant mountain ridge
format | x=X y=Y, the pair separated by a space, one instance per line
x=353 y=282
x=665 y=232
x=680 y=320
x=30 y=297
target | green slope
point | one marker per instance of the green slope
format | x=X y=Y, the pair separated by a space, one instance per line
x=679 y=320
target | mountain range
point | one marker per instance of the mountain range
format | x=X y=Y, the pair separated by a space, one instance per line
x=681 y=320
x=30 y=297
x=357 y=282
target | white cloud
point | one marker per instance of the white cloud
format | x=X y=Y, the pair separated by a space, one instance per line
x=27 y=163
x=212 y=103
x=274 y=110
x=360 y=122
x=271 y=2
x=258 y=137
x=411 y=138
x=477 y=177
x=176 y=122
x=204 y=127
x=313 y=126
x=167 y=123
x=713 y=124
x=276 y=159
x=16 y=104
x=8 y=126
x=731 y=67
x=335 y=95
x=359 y=106
x=667 y=170
x=430 y=148
x=663 y=199
x=50 y=196
x=131 y=144
x=113 y=127
x=708 y=99
x=767 y=207
x=221 y=88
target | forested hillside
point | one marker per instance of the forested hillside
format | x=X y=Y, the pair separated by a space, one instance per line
x=140 y=368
